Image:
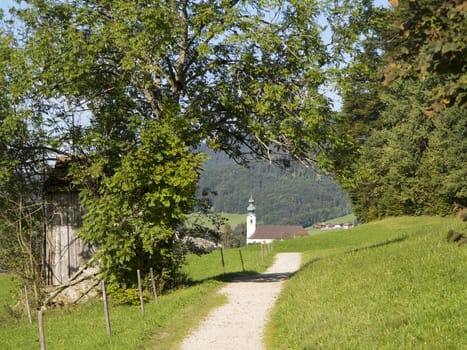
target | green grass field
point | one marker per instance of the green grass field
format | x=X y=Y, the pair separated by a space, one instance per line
x=163 y=326
x=391 y=284
x=5 y=296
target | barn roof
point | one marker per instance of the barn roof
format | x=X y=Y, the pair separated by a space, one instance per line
x=278 y=232
x=58 y=179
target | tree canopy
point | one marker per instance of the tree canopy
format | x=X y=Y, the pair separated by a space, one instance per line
x=405 y=90
x=129 y=90
x=431 y=44
x=236 y=72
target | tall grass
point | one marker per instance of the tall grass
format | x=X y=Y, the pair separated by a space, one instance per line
x=163 y=326
x=393 y=284
x=83 y=326
x=5 y=296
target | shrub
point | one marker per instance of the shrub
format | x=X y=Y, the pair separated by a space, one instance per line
x=123 y=295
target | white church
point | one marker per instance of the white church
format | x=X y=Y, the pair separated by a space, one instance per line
x=268 y=233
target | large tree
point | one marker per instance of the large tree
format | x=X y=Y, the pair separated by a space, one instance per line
x=153 y=79
x=408 y=94
x=431 y=43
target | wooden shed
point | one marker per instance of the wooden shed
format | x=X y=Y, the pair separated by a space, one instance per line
x=65 y=252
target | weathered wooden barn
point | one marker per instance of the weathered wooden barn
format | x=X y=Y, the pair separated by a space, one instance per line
x=65 y=252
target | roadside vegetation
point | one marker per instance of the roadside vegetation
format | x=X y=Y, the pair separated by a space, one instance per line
x=163 y=326
x=395 y=283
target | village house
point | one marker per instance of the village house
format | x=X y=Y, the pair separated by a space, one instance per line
x=268 y=233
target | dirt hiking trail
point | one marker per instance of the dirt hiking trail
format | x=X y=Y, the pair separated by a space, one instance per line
x=239 y=324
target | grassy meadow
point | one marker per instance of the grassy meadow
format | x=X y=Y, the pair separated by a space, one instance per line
x=391 y=284
x=163 y=326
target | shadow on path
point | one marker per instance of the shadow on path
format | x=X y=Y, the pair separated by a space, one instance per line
x=262 y=278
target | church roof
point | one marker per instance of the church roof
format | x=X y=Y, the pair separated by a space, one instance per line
x=278 y=232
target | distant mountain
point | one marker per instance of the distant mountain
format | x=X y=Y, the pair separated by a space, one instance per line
x=296 y=195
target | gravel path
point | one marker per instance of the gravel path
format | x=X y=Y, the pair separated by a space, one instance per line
x=239 y=324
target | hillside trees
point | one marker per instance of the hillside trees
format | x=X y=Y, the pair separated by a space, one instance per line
x=291 y=196
x=132 y=88
x=431 y=43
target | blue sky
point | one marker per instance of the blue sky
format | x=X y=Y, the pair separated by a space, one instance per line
x=5 y=4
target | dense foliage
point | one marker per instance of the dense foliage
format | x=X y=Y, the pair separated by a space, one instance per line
x=409 y=133
x=21 y=167
x=431 y=44
x=128 y=90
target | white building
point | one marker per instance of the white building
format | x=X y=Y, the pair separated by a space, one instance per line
x=268 y=233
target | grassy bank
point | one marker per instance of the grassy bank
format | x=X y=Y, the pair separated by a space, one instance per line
x=392 y=284
x=83 y=327
x=232 y=219
x=163 y=326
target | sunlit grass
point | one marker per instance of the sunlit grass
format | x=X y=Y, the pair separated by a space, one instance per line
x=255 y=259
x=391 y=284
x=5 y=295
x=83 y=326
x=163 y=326
x=231 y=218
x=405 y=292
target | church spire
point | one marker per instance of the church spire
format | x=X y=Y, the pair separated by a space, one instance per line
x=251 y=205
x=250 y=219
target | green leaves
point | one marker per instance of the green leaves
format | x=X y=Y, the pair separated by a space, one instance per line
x=393 y=162
x=410 y=164
x=130 y=89
x=136 y=210
x=432 y=44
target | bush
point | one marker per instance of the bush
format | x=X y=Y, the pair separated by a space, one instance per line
x=123 y=295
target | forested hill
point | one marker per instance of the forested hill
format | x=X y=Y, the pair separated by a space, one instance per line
x=292 y=196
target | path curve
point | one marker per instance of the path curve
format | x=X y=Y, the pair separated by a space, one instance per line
x=239 y=324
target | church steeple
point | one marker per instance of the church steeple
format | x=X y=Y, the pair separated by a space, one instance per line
x=251 y=205
x=250 y=218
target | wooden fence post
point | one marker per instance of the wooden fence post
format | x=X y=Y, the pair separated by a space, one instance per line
x=153 y=286
x=40 y=318
x=241 y=259
x=106 y=309
x=141 y=299
x=222 y=258
x=26 y=300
